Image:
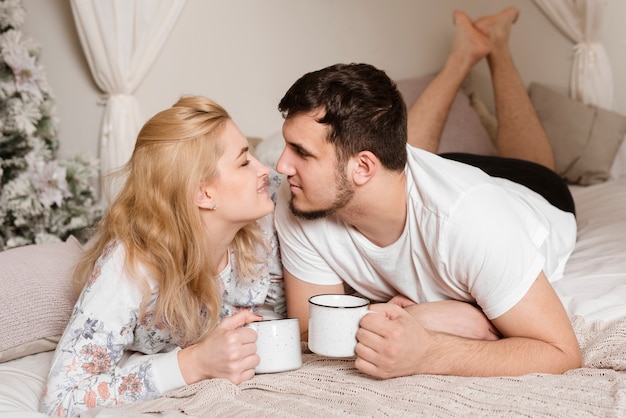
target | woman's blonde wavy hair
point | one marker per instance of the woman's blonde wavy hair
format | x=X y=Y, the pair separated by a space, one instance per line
x=156 y=220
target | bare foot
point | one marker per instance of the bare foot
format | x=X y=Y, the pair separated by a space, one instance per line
x=469 y=45
x=498 y=27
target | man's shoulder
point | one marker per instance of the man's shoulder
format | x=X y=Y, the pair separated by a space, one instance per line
x=434 y=183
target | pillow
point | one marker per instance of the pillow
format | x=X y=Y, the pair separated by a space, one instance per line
x=488 y=119
x=463 y=131
x=618 y=169
x=584 y=138
x=268 y=151
x=37 y=296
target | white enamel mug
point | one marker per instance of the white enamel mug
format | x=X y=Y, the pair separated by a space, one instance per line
x=333 y=323
x=278 y=345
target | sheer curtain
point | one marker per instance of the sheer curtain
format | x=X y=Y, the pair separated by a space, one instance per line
x=121 y=40
x=591 y=79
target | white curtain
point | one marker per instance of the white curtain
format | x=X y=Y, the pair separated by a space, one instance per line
x=591 y=79
x=121 y=40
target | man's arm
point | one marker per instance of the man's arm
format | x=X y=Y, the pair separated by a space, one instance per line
x=538 y=338
x=451 y=317
x=298 y=292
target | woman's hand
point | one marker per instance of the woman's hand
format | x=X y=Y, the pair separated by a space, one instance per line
x=229 y=351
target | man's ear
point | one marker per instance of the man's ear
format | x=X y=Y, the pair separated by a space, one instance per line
x=204 y=198
x=365 y=165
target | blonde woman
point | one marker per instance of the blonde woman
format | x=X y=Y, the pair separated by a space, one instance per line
x=185 y=256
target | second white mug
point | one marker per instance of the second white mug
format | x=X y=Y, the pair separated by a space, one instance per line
x=333 y=323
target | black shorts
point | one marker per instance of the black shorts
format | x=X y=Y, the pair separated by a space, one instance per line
x=534 y=176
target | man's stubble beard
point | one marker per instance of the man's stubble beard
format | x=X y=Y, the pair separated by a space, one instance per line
x=343 y=197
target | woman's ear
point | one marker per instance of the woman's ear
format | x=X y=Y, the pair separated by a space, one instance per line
x=365 y=165
x=204 y=198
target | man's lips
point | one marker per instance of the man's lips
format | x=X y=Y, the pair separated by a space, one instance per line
x=294 y=186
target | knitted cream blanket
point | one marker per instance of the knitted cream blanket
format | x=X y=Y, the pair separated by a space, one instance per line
x=333 y=387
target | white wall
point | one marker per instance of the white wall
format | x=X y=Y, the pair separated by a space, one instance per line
x=246 y=53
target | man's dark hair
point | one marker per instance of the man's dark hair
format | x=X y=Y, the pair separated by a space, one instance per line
x=362 y=107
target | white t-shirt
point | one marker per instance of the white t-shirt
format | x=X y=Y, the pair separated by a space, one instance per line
x=468 y=237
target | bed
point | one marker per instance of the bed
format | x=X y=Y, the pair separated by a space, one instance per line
x=36 y=302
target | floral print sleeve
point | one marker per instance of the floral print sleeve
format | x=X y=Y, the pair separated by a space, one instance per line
x=92 y=366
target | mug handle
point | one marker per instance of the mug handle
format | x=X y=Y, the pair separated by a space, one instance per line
x=367 y=312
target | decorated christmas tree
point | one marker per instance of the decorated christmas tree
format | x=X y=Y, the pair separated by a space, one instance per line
x=42 y=198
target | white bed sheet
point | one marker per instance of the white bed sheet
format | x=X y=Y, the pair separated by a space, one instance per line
x=594 y=282
x=21 y=385
x=593 y=286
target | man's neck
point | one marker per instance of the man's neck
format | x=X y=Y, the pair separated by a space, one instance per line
x=379 y=211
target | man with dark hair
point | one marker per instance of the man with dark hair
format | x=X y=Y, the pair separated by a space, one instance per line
x=458 y=249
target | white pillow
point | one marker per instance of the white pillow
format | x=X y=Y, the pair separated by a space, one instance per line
x=268 y=151
x=21 y=385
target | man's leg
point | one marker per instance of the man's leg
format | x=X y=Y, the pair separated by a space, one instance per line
x=427 y=117
x=520 y=134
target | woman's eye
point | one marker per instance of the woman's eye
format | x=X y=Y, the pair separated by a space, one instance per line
x=245 y=163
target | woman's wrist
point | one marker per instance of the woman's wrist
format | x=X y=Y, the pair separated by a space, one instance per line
x=188 y=365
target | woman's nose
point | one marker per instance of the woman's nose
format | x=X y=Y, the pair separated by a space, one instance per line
x=263 y=169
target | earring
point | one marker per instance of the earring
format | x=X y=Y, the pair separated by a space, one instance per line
x=213 y=207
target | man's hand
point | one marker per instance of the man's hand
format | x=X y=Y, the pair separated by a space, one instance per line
x=391 y=342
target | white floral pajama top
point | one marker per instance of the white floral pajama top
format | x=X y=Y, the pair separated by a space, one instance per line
x=108 y=356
